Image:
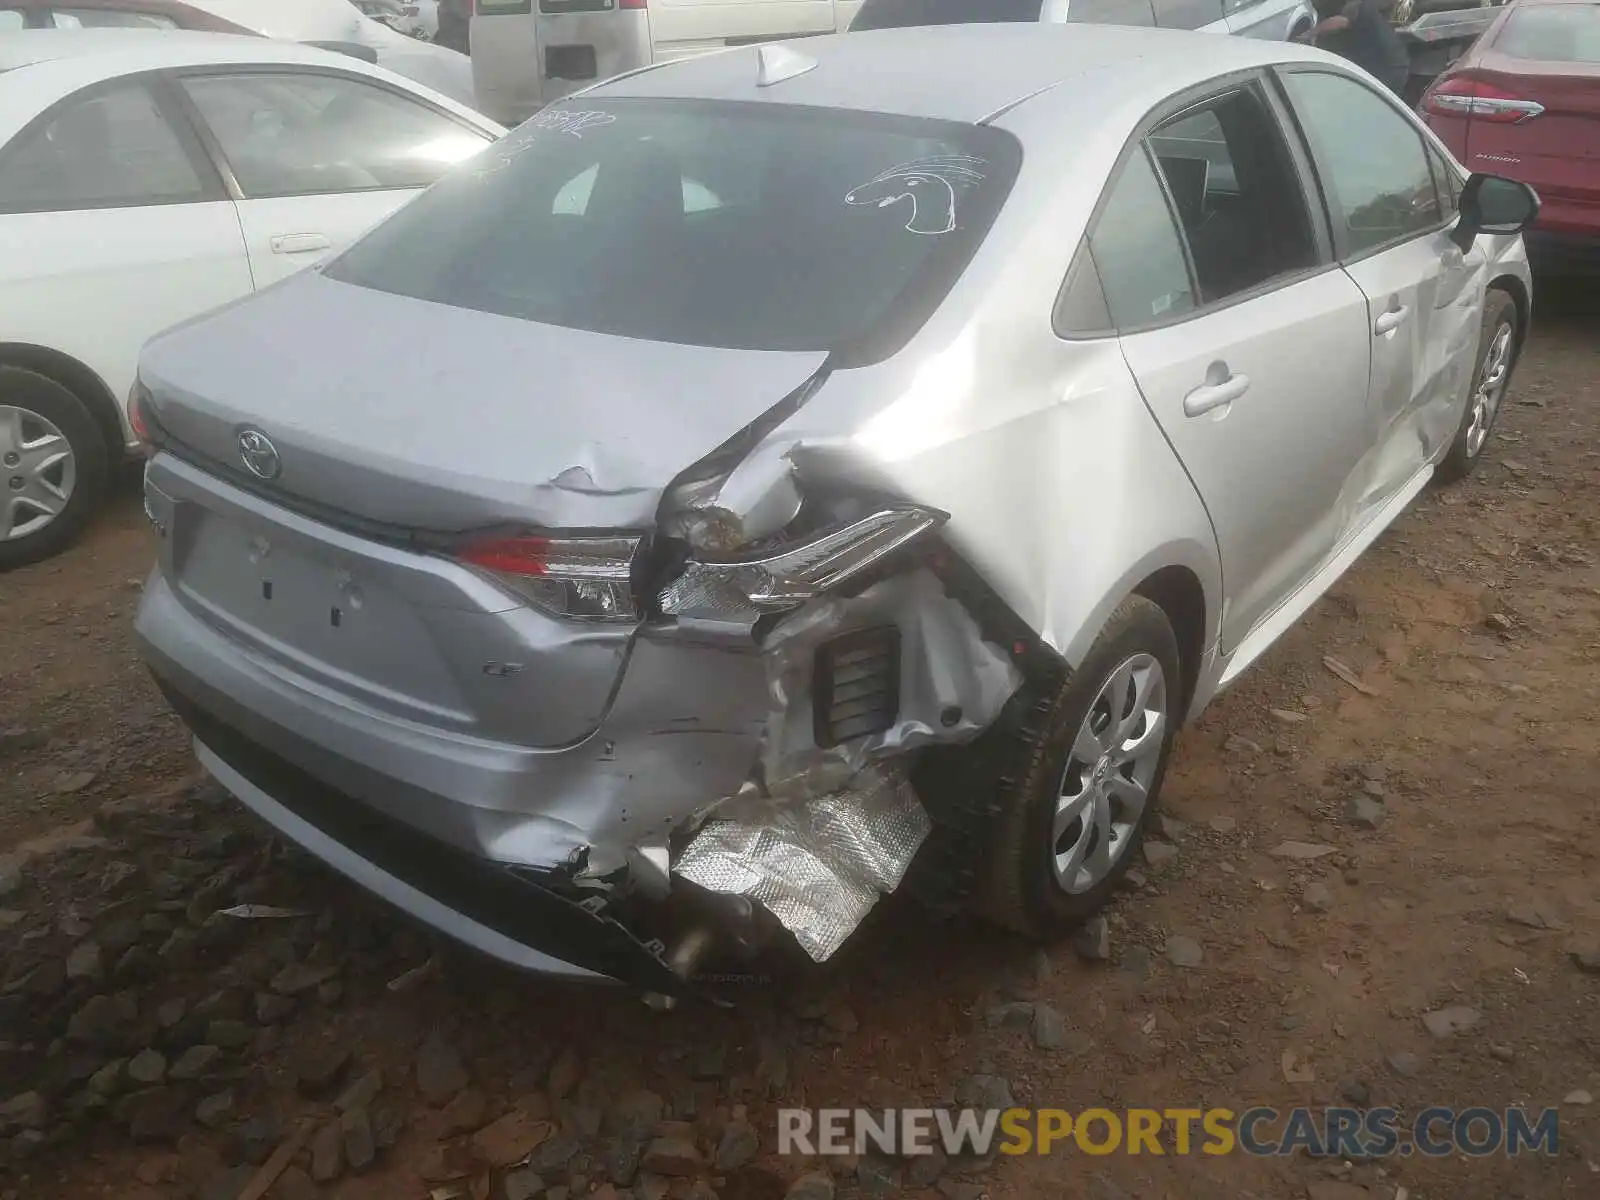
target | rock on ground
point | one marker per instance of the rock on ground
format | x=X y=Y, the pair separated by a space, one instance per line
x=440 y=1071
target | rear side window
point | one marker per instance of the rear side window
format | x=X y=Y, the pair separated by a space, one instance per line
x=749 y=226
x=1188 y=14
x=113 y=149
x=110 y=18
x=1552 y=33
x=1111 y=12
x=1138 y=252
x=898 y=14
x=288 y=133
x=11 y=19
x=1236 y=195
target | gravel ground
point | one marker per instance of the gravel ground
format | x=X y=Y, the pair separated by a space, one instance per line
x=1444 y=948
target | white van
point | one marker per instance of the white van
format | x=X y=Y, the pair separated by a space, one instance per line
x=526 y=53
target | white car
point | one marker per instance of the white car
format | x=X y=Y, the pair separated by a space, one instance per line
x=414 y=18
x=438 y=67
x=147 y=177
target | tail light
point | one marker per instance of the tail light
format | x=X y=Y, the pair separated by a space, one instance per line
x=797 y=573
x=581 y=579
x=140 y=417
x=626 y=5
x=1478 y=100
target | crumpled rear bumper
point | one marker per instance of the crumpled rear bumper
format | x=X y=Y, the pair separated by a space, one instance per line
x=531 y=853
x=484 y=905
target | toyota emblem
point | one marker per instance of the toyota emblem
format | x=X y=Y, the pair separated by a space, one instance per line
x=259 y=455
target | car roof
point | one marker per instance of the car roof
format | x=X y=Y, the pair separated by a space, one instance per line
x=965 y=72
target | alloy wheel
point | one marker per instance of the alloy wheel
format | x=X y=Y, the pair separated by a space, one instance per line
x=38 y=472
x=1490 y=390
x=1105 y=787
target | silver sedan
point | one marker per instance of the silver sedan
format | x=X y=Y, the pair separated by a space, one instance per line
x=770 y=480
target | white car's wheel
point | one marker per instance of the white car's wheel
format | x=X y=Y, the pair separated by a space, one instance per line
x=53 y=466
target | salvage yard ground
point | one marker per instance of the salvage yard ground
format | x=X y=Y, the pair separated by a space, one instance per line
x=1435 y=721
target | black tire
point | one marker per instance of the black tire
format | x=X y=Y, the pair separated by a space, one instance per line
x=36 y=394
x=1499 y=313
x=1021 y=891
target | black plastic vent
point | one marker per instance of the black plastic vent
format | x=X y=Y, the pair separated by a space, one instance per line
x=855 y=685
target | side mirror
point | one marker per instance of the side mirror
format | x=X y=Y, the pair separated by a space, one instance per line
x=1494 y=204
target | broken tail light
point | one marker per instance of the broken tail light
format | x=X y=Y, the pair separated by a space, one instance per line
x=1479 y=100
x=798 y=573
x=581 y=579
x=140 y=418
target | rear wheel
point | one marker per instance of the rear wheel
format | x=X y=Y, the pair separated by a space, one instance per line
x=1084 y=771
x=53 y=466
x=1497 y=354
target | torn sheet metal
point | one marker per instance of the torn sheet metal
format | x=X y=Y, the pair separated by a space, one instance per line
x=836 y=828
x=818 y=866
x=953 y=683
x=756 y=499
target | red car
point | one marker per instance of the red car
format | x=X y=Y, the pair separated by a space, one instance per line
x=1524 y=102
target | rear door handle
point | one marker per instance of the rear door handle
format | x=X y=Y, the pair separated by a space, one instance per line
x=299 y=243
x=1390 y=321
x=1210 y=396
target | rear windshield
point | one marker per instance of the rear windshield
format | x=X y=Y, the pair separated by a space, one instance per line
x=1553 y=33
x=749 y=226
x=897 y=14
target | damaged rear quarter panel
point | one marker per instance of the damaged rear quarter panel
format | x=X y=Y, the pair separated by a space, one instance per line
x=1061 y=490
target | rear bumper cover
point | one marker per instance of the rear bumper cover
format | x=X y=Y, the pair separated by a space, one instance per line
x=528 y=851
x=482 y=905
x=416 y=815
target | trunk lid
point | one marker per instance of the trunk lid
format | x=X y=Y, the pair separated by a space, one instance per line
x=421 y=416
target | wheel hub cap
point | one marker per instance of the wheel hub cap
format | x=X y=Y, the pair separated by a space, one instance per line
x=1490 y=390
x=40 y=471
x=1106 y=784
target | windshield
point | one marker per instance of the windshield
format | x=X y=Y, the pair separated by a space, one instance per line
x=745 y=226
x=897 y=14
x=1553 y=33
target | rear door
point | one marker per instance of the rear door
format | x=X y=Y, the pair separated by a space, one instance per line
x=317 y=157
x=114 y=226
x=1249 y=345
x=1107 y=12
x=1391 y=232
